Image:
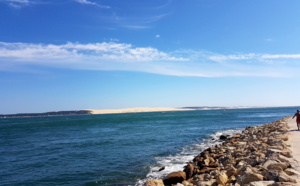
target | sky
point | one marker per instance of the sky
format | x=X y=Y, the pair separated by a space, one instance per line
x=111 y=54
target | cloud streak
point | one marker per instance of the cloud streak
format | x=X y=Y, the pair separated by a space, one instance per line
x=18 y=3
x=125 y=57
x=86 y=2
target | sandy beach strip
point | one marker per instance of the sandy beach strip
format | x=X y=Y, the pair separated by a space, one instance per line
x=136 y=110
x=294 y=141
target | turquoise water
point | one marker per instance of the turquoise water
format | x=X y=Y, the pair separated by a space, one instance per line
x=114 y=149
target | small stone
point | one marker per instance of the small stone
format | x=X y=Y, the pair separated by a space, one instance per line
x=185 y=183
x=206 y=162
x=162 y=168
x=231 y=179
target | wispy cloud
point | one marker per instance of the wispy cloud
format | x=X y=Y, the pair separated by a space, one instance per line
x=86 y=2
x=122 y=56
x=281 y=56
x=134 y=27
x=18 y=3
x=134 y=22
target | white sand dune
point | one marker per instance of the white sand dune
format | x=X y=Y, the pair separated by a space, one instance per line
x=135 y=110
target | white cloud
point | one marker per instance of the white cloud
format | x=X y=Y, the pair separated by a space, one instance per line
x=22 y=3
x=281 y=56
x=91 y=3
x=125 y=57
x=119 y=52
x=157 y=36
x=220 y=58
x=18 y=3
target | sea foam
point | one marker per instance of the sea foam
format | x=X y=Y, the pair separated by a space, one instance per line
x=173 y=163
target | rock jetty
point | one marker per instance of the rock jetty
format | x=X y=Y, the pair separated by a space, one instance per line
x=259 y=156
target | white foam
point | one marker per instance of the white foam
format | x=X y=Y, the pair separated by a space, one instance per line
x=177 y=162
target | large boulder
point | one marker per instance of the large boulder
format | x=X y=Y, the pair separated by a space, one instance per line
x=250 y=177
x=284 y=152
x=202 y=177
x=271 y=175
x=154 y=183
x=287 y=153
x=175 y=177
x=189 y=170
x=245 y=170
x=227 y=160
x=211 y=182
x=230 y=170
x=223 y=137
x=222 y=178
x=291 y=172
x=262 y=183
x=283 y=177
x=274 y=165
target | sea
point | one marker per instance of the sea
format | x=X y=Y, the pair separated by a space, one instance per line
x=115 y=149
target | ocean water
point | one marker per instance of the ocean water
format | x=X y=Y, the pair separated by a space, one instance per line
x=115 y=149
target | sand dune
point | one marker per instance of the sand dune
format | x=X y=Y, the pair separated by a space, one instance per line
x=134 y=110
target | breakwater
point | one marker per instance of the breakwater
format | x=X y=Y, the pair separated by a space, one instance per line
x=259 y=155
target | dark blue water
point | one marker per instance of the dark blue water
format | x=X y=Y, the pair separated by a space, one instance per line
x=114 y=149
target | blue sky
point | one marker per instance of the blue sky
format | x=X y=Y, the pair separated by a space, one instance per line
x=89 y=54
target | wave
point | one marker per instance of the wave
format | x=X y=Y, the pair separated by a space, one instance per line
x=173 y=163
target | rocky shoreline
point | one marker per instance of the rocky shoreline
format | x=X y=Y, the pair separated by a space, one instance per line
x=259 y=156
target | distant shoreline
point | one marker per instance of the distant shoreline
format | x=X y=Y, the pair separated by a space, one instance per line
x=59 y=113
x=92 y=112
x=116 y=111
